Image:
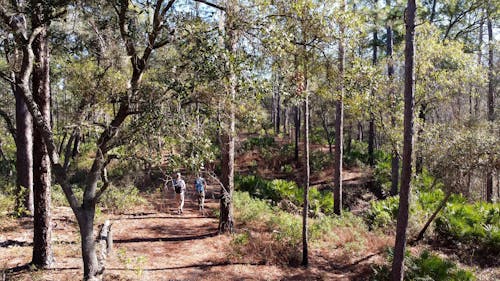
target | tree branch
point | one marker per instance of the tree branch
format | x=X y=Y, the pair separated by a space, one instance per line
x=211 y=5
x=8 y=121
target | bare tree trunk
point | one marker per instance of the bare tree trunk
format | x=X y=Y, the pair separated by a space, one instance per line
x=360 y=131
x=24 y=153
x=392 y=96
x=305 y=214
x=42 y=232
x=226 y=223
x=91 y=267
x=285 y=120
x=339 y=126
x=278 y=112
x=479 y=63
x=371 y=125
x=419 y=162
x=409 y=96
x=297 y=131
x=491 y=99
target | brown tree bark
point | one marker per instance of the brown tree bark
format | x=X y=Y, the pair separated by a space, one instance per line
x=226 y=222
x=339 y=126
x=42 y=231
x=491 y=98
x=24 y=153
x=296 y=119
x=371 y=125
x=409 y=98
x=392 y=96
x=307 y=176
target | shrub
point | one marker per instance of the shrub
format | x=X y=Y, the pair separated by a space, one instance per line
x=357 y=154
x=426 y=266
x=285 y=230
x=257 y=142
x=277 y=190
x=320 y=160
x=383 y=212
x=474 y=224
x=121 y=199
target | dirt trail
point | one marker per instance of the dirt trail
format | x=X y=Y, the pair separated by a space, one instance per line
x=155 y=243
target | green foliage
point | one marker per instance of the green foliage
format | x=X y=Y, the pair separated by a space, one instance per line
x=426 y=266
x=476 y=224
x=122 y=199
x=258 y=142
x=7 y=200
x=357 y=154
x=277 y=190
x=320 y=160
x=286 y=227
x=59 y=199
x=383 y=212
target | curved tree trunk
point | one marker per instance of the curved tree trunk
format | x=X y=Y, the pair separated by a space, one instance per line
x=409 y=96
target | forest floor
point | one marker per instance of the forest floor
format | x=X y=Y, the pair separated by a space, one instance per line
x=153 y=242
x=156 y=243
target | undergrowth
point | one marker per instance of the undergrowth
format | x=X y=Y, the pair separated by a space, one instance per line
x=277 y=190
x=280 y=240
x=426 y=266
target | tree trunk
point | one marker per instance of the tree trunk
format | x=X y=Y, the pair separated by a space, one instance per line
x=285 y=120
x=392 y=96
x=91 y=267
x=24 y=154
x=394 y=173
x=297 y=131
x=404 y=194
x=226 y=223
x=305 y=256
x=278 y=112
x=371 y=125
x=419 y=162
x=477 y=99
x=42 y=233
x=339 y=126
x=491 y=100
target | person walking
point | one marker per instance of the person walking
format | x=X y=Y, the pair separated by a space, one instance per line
x=200 y=186
x=180 y=190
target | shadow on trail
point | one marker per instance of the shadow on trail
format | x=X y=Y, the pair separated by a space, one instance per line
x=12 y=243
x=201 y=266
x=167 y=217
x=165 y=239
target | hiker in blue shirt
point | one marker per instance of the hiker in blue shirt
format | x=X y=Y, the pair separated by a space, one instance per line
x=200 y=186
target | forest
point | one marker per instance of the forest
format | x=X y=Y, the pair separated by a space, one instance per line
x=249 y=140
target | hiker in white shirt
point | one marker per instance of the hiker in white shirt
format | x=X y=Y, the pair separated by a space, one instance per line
x=180 y=190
